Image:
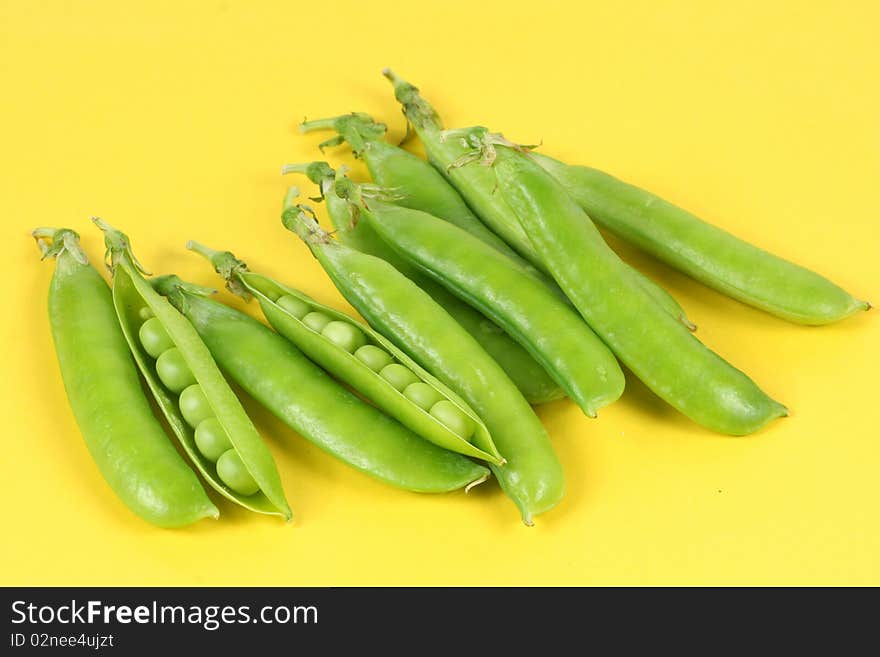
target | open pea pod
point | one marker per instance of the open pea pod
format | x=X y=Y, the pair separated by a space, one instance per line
x=420 y=404
x=245 y=471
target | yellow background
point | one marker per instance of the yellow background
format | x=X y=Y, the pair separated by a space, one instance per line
x=171 y=119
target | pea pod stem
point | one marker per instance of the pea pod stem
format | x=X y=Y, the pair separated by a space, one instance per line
x=317 y=124
x=356 y=128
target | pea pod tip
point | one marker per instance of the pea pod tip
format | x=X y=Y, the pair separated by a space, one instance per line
x=689 y=325
x=476 y=482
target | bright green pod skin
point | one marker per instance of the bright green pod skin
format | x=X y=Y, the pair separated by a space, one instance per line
x=397 y=307
x=131 y=292
x=447 y=150
x=347 y=367
x=659 y=350
x=281 y=378
x=420 y=186
x=551 y=330
x=532 y=380
x=705 y=252
x=423 y=188
x=123 y=436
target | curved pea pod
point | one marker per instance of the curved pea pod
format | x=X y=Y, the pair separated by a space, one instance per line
x=532 y=477
x=705 y=252
x=449 y=150
x=123 y=436
x=345 y=365
x=131 y=294
x=552 y=331
x=670 y=360
x=526 y=373
x=280 y=377
x=665 y=300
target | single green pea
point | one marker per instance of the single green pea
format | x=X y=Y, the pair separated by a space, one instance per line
x=398 y=375
x=173 y=371
x=345 y=335
x=450 y=415
x=231 y=469
x=212 y=439
x=194 y=406
x=373 y=357
x=296 y=307
x=154 y=338
x=145 y=313
x=316 y=321
x=422 y=395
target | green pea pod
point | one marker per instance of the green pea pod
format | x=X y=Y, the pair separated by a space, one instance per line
x=552 y=331
x=280 y=377
x=124 y=438
x=448 y=150
x=397 y=307
x=420 y=185
x=532 y=380
x=707 y=253
x=659 y=350
x=659 y=294
x=131 y=293
x=345 y=364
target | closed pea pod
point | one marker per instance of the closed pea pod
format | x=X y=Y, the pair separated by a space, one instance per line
x=393 y=304
x=448 y=150
x=280 y=377
x=208 y=396
x=707 y=253
x=126 y=441
x=382 y=377
x=664 y=355
x=551 y=330
x=532 y=380
x=418 y=184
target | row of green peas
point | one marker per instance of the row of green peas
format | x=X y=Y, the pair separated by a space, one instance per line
x=211 y=438
x=400 y=377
